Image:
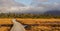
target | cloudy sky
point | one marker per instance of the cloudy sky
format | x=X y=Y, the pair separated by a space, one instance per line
x=26 y=6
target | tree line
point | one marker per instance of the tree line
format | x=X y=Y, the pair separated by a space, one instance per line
x=26 y=15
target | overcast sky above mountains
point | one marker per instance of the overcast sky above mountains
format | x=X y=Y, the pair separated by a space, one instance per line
x=26 y=6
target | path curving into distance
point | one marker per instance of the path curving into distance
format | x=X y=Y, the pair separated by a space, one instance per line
x=17 y=26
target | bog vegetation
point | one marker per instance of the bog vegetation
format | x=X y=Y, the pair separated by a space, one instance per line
x=13 y=15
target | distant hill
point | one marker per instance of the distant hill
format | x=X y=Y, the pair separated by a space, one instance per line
x=53 y=12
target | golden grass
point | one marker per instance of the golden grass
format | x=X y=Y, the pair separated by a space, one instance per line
x=27 y=21
x=4 y=28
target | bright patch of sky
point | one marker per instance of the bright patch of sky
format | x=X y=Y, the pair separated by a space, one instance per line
x=28 y=2
x=54 y=0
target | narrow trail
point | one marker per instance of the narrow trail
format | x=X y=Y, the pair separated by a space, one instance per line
x=17 y=26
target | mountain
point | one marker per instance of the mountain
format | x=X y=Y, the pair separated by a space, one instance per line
x=53 y=12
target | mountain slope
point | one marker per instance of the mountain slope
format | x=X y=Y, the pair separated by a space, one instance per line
x=53 y=12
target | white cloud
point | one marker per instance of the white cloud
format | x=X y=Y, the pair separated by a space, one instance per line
x=35 y=8
x=9 y=3
x=41 y=0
